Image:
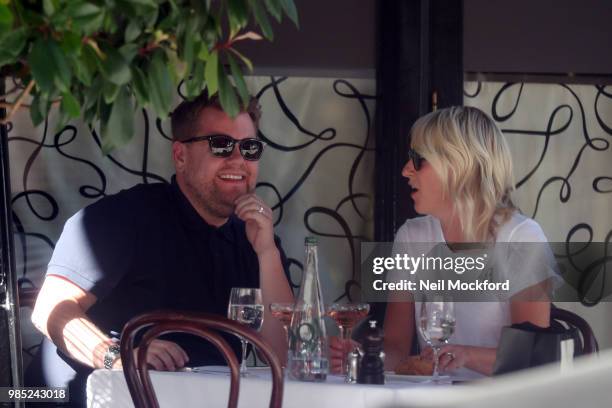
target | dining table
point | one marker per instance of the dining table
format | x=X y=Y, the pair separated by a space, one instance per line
x=588 y=382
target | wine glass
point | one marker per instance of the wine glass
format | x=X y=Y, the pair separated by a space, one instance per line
x=283 y=312
x=346 y=316
x=437 y=325
x=246 y=307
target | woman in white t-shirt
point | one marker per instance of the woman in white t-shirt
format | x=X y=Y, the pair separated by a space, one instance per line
x=460 y=172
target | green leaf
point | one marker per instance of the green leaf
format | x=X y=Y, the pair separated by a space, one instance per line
x=177 y=67
x=195 y=83
x=129 y=51
x=209 y=33
x=91 y=98
x=191 y=42
x=82 y=72
x=12 y=44
x=145 y=3
x=39 y=108
x=291 y=11
x=6 y=18
x=151 y=17
x=140 y=89
x=275 y=8
x=110 y=92
x=160 y=85
x=244 y=59
x=115 y=68
x=109 y=23
x=85 y=67
x=203 y=54
x=87 y=18
x=49 y=66
x=71 y=43
x=49 y=7
x=211 y=74
x=59 y=21
x=238 y=15
x=132 y=31
x=262 y=20
x=239 y=80
x=70 y=105
x=119 y=128
x=41 y=71
x=227 y=96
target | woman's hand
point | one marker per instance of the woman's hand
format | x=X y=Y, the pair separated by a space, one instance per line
x=451 y=357
x=338 y=350
x=454 y=356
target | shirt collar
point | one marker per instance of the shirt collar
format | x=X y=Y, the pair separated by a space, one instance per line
x=193 y=220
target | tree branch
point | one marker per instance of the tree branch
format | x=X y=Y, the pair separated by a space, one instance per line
x=18 y=102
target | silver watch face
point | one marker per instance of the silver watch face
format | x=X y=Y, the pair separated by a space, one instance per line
x=111 y=355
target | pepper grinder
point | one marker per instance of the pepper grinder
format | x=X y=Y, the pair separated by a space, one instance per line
x=371 y=366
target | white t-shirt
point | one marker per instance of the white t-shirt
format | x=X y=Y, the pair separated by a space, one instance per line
x=477 y=323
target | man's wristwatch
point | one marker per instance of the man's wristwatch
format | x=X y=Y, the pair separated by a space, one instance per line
x=111 y=355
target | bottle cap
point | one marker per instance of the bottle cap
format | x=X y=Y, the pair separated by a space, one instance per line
x=310 y=241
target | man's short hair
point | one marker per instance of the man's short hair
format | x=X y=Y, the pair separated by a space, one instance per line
x=185 y=116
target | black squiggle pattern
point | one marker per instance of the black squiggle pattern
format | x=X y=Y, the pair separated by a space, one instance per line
x=596 y=269
x=88 y=191
x=311 y=166
x=547 y=134
x=475 y=93
x=571 y=162
x=599 y=180
x=497 y=116
x=361 y=98
x=601 y=91
x=340 y=221
x=278 y=206
x=144 y=173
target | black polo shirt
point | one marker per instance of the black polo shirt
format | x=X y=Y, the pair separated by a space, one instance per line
x=147 y=248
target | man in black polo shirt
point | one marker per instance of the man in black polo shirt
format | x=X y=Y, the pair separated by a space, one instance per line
x=180 y=246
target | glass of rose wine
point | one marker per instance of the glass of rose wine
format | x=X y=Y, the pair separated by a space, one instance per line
x=282 y=312
x=346 y=316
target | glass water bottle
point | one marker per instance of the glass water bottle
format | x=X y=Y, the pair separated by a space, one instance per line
x=308 y=358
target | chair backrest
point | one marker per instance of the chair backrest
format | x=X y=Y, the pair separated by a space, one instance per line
x=207 y=326
x=27 y=297
x=589 y=342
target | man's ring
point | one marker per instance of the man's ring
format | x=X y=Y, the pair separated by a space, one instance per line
x=260 y=210
x=451 y=355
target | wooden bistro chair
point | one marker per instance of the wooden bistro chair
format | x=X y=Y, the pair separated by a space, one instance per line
x=203 y=325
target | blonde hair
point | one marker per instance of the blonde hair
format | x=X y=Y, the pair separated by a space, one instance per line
x=470 y=154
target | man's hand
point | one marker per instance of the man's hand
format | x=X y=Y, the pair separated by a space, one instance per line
x=258 y=218
x=162 y=355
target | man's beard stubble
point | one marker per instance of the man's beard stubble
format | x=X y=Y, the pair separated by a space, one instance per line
x=214 y=201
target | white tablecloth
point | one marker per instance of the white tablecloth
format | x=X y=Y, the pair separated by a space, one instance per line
x=588 y=384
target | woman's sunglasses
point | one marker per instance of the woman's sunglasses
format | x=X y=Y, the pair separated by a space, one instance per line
x=417 y=159
x=223 y=146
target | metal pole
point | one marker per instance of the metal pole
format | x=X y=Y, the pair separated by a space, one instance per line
x=10 y=332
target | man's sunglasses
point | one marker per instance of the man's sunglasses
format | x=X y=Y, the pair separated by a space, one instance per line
x=417 y=159
x=223 y=146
